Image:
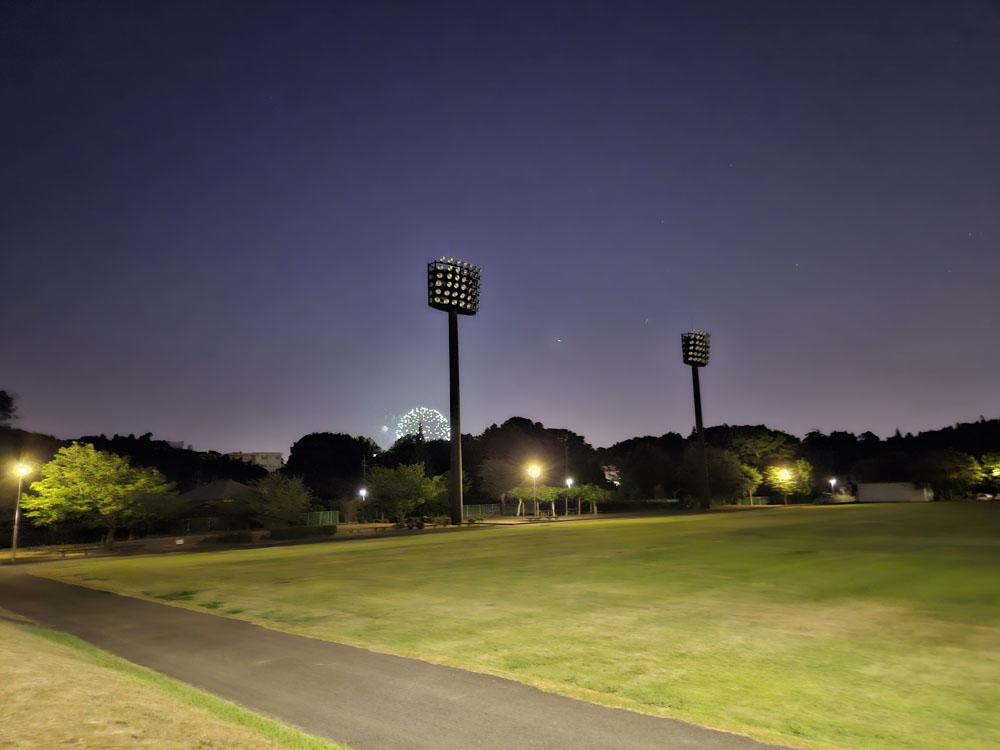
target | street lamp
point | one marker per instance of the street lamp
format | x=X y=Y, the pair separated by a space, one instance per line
x=833 y=483
x=21 y=471
x=453 y=286
x=569 y=485
x=534 y=471
x=364 y=494
x=694 y=347
x=785 y=475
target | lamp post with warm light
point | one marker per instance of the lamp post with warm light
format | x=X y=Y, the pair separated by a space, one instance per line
x=694 y=347
x=21 y=470
x=534 y=472
x=453 y=286
x=569 y=486
x=785 y=475
x=833 y=483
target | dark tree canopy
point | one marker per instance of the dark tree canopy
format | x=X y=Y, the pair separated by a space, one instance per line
x=186 y=468
x=8 y=409
x=558 y=452
x=330 y=464
x=435 y=455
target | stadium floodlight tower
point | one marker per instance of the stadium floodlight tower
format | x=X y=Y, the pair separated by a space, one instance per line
x=694 y=346
x=453 y=286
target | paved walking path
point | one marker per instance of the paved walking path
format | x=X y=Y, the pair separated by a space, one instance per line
x=367 y=700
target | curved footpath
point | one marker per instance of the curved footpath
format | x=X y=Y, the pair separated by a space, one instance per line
x=370 y=701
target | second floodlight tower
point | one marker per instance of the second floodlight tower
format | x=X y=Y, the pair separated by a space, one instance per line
x=453 y=286
x=694 y=347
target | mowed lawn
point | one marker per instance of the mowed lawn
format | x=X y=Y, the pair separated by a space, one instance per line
x=851 y=627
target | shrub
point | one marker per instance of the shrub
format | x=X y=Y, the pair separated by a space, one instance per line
x=231 y=537
x=303 y=532
x=236 y=537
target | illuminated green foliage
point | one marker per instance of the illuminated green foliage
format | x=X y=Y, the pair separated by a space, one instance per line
x=84 y=484
x=278 y=501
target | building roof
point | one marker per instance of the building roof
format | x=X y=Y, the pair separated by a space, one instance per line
x=220 y=489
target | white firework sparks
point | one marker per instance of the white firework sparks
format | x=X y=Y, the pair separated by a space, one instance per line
x=432 y=423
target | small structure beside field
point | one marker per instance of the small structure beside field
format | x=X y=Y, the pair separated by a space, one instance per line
x=893 y=492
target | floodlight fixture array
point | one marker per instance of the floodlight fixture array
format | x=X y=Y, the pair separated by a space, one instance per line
x=453 y=286
x=694 y=346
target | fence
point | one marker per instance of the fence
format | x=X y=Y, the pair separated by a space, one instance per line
x=489 y=509
x=320 y=518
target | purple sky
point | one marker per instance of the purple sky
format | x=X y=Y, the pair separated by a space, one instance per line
x=216 y=216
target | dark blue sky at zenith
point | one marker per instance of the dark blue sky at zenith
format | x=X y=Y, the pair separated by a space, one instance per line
x=216 y=216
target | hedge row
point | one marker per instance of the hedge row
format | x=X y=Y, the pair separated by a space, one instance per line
x=302 y=532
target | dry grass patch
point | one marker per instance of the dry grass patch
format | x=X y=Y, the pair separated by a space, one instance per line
x=56 y=691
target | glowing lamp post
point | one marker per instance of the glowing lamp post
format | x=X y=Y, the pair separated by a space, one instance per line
x=694 y=347
x=453 y=286
x=21 y=471
x=569 y=486
x=534 y=472
x=833 y=484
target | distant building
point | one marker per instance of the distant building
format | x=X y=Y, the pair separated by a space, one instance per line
x=269 y=461
x=893 y=492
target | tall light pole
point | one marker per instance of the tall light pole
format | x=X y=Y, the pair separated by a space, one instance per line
x=569 y=486
x=453 y=286
x=534 y=471
x=21 y=470
x=694 y=347
x=833 y=483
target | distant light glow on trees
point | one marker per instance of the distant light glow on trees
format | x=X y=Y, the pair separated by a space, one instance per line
x=422 y=420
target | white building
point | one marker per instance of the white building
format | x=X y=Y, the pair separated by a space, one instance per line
x=269 y=461
x=893 y=492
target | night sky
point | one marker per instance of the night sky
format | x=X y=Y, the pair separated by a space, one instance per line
x=216 y=216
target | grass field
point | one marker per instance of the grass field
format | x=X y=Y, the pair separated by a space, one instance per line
x=846 y=627
x=57 y=691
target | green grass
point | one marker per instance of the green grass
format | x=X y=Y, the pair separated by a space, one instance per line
x=846 y=627
x=55 y=677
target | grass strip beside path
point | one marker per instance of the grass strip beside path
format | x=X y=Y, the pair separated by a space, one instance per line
x=59 y=691
x=828 y=627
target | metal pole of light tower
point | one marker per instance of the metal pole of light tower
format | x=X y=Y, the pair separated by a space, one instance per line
x=453 y=286
x=17 y=520
x=455 y=490
x=703 y=489
x=21 y=470
x=694 y=346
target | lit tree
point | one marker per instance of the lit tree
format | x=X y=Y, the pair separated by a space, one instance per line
x=990 y=463
x=782 y=478
x=84 y=484
x=791 y=478
x=396 y=492
x=497 y=478
x=277 y=501
x=750 y=479
x=950 y=473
